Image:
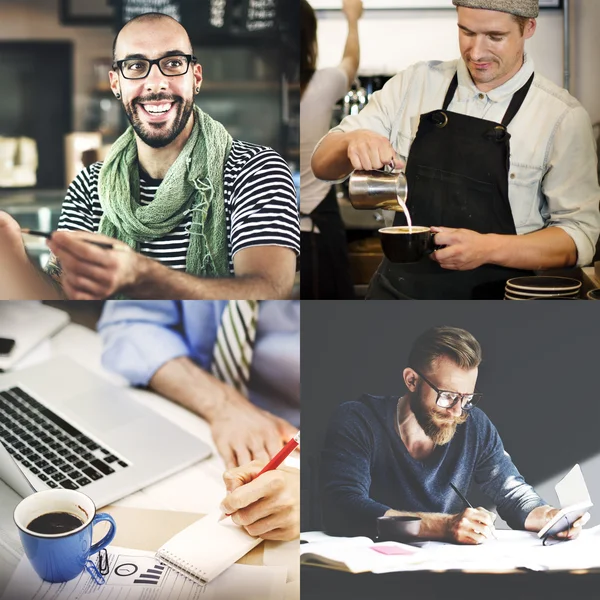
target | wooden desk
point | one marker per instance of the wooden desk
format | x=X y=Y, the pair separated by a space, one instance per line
x=328 y=584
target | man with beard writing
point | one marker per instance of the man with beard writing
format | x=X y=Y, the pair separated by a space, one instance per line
x=186 y=211
x=398 y=456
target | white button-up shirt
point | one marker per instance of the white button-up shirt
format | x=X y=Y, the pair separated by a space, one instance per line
x=553 y=180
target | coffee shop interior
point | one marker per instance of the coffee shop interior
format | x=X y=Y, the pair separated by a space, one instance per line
x=392 y=39
x=58 y=113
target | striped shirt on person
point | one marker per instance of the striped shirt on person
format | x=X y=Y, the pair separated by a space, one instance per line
x=260 y=206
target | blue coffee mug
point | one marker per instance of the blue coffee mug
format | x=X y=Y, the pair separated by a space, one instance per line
x=60 y=557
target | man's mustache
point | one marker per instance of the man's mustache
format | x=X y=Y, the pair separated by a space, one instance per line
x=156 y=98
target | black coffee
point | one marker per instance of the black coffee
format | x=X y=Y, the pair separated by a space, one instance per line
x=55 y=522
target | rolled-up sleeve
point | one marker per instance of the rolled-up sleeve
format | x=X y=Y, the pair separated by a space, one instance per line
x=571 y=183
x=377 y=115
x=140 y=337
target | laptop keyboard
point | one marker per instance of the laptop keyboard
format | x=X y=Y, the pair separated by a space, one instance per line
x=49 y=447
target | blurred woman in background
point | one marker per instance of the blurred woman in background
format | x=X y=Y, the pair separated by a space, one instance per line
x=325 y=267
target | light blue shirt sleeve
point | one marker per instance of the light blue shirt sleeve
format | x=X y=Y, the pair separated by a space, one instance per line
x=140 y=337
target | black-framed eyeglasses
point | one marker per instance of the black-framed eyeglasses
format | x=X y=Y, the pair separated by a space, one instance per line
x=448 y=399
x=171 y=65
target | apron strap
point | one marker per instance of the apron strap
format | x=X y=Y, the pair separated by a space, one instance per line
x=451 y=91
x=516 y=102
x=513 y=108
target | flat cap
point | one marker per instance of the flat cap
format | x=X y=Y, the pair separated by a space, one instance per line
x=519 y=8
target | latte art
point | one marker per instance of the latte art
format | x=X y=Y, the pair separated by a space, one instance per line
x=405 y=229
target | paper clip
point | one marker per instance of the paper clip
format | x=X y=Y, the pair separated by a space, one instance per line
x=91 y=568
x=103 y=561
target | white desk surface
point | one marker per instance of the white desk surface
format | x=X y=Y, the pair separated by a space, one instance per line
x=197 y=489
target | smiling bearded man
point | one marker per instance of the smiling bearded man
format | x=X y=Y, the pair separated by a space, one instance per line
x=193 y=212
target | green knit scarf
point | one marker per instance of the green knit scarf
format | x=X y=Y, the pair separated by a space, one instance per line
x=193 y=183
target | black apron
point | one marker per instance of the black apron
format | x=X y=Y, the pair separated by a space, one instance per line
x=457 y=176
x=325 y=265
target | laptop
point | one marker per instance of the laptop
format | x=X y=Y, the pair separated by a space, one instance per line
x=68 y=428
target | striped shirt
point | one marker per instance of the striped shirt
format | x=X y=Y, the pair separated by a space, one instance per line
x=260 y=206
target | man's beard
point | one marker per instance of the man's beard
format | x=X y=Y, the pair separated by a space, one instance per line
x=436 y=424
x=159 y=135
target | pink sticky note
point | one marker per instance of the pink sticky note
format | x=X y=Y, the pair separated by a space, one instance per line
x=392 y=550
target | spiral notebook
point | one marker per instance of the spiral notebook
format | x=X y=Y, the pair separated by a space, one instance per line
x=206 y=548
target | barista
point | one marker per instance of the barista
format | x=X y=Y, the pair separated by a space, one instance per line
x=502 y=164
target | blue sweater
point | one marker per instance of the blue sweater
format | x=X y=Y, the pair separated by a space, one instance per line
x=366 y=470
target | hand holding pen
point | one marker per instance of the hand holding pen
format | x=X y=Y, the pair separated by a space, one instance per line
x=263 y=499
x=92 y=266
x=103 y=245
x=473 y=525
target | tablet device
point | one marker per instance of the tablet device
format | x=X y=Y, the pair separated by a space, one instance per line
x=574 y=500
x=564 y=519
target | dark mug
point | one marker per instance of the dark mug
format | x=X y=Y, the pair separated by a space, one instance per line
x=398 y=529
x=401 y=246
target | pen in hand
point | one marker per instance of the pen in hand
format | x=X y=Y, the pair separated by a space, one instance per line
x=48 y=235
x=467 y=503
x=276 y=460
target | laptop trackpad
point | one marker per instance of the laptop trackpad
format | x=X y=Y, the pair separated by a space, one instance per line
x=104 y=409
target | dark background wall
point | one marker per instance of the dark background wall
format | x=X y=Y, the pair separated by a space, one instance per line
x=539 y=375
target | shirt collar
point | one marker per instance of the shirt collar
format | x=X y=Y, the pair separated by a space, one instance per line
x=467 y=89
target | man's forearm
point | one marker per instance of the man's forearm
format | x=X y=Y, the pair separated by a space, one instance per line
x=155 y=281
x=184 y=382
x=549 y=248
x=434 y=526
x=330 y=160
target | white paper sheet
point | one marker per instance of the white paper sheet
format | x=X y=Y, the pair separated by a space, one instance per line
x=512 y=550
x=134 y=575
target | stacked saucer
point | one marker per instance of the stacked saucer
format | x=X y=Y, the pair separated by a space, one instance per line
x=542 y=287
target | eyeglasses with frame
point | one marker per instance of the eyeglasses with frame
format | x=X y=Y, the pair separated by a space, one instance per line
x=448 y=398
x=171 y=65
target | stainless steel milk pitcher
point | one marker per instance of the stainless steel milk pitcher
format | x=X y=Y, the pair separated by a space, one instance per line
x=369 y=190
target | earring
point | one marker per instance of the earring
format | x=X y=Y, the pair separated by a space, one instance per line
x=197 y=90
x=117 y=95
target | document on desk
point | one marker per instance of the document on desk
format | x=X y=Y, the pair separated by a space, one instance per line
x=511 y=550
x=359 y=555
x=137 y=575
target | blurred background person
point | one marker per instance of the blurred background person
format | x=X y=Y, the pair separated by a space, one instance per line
x=325 y=263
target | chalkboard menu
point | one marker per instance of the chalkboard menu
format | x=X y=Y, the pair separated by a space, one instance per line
x=261 y=15
x=216 y=20
x=133 y=8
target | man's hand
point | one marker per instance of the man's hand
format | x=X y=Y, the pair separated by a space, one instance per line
x=91 y=272
x=243 y=432
x=541 y=515
x=368 y=151
x=267 y=506
x=572 y=532
x=464 y=249
x=472 y=526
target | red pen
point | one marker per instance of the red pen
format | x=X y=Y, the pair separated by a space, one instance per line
x=277 y=460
